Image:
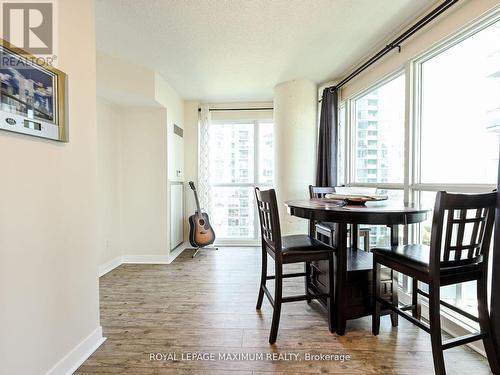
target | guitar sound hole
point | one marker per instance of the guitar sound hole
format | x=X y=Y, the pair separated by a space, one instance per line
x=202 y=222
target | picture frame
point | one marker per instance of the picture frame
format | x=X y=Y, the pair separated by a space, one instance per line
x=33 y=93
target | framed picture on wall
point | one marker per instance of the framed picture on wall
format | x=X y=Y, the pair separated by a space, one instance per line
x=32 y=95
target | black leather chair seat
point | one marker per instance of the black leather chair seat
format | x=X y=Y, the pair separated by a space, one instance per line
x=414 y=255
x=296 y=248
x=417 y=257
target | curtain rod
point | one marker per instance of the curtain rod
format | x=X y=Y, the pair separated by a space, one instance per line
x=396 y=43
x=238 y=109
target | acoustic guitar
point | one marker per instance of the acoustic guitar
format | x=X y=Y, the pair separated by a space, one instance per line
x=201 y=233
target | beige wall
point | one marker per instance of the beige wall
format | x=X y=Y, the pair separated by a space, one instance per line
x=137 y=89
x=295 y=125
x=144 y=183
x=132 y=195
x=48 y=254
x=169 y=99
x=190 y=156
x=110 y=126
x=148 y=157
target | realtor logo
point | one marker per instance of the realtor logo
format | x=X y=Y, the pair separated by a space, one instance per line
x=29 y=26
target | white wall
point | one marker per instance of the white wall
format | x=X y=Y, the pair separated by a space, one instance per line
x=144 y=183
x=48 y=253
x=295 y=134
x=110 y=126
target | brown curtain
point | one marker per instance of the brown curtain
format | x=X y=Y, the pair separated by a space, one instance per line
x=326 y=172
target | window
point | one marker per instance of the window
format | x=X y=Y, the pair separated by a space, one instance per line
x=460 y=111
x=379 y=129
x=453 y=133
x=241 y=157
x=469 y=124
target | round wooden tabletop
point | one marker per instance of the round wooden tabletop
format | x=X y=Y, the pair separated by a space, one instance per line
x=374 y=213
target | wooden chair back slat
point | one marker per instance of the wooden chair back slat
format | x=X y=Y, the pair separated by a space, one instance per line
x=267 y=207
x=467 y=234
x=482 y=230
x=460 y=236
x=320 y=191
x=449 y=232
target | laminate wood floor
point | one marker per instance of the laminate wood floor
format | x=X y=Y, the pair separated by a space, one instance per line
x=207 y=305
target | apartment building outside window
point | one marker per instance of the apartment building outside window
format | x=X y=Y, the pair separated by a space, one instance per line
x=241 y=158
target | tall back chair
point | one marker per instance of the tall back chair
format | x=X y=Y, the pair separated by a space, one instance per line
x=460 y=239
x=327 y=229
x=320 y=191
x=285 y=250
x=269 y=221
x=467 y=234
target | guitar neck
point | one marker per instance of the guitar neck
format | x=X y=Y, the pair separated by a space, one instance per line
x=198 y=209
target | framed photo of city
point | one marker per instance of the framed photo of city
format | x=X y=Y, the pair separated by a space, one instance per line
x=32 y=95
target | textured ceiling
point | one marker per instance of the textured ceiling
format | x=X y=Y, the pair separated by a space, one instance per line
x=238 y=50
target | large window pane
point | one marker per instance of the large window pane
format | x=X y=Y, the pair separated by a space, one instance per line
x=461 y=111
x=231 y=153
x=266 y=153
x=241 y=157
x=233 y=212
x=379 y=127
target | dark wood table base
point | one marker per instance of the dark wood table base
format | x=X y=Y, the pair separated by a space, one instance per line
x=353 y=274
x=357 y=291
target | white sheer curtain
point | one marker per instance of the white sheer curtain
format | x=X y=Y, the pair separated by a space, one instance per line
x=204 y=193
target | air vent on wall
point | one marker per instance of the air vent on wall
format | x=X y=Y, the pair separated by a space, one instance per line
x=178 y=130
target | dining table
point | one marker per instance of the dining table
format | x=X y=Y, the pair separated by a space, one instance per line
x=353 y=266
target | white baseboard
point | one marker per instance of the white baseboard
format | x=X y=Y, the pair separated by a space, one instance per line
x=109 y=266
x=74 y=359
x=177 y=251
x=141 y=259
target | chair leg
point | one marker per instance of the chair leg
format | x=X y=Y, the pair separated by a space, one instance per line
x=340 y=278
x=435 y=327
x=366 y=239
x=307 y=270
x=330 y=301
x=395 y=298
x=485 y=324
x=263 y=275
x=376 y=304
x=416 y=312
x=277 y=304
x=331 y=240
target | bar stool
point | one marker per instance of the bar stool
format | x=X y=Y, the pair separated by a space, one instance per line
x=466 y=221
x=286 y=250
